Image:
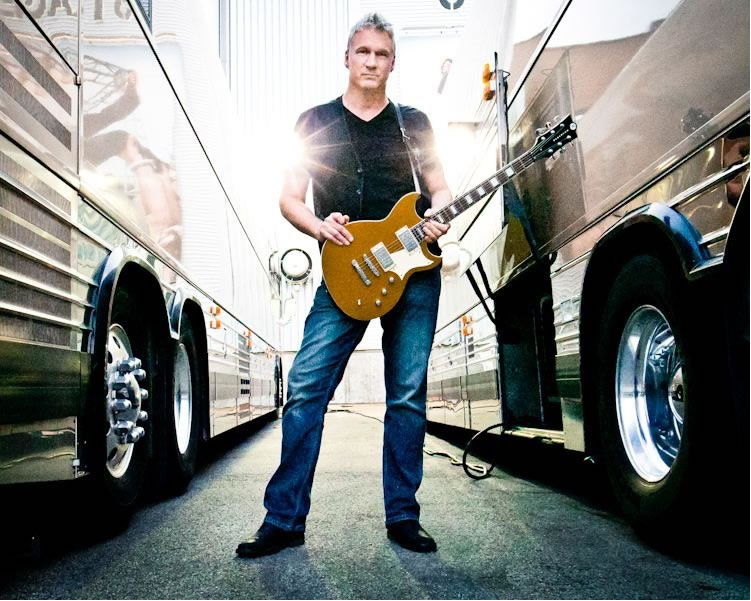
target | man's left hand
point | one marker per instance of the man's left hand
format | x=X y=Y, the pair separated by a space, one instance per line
x=434 y=230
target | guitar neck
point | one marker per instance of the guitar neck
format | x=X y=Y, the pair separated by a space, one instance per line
x=471 y=197
x=549 y=142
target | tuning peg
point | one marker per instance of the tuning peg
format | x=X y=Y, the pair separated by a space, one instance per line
x=540 y=130
x=548 y=125
x=563 y=151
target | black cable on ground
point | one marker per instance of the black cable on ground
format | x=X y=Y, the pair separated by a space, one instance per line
x=485 y=473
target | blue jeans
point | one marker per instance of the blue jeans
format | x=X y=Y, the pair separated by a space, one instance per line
x=329 y=339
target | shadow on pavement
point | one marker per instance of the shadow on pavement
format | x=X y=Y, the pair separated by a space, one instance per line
x=46 y=520
x=723 y=542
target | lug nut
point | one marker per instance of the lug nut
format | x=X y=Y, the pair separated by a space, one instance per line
x=135 y=435
x=118 y=383
x=143 y=416
x=144 y=394
x=139 y=374
x=127 y=365
x=121 y=405
x=122 y=427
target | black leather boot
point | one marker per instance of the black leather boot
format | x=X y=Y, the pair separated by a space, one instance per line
x=410 y=535
x=269 y=539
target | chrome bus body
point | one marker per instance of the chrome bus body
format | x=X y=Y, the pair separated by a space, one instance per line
x=115 y=155
x=662 y=150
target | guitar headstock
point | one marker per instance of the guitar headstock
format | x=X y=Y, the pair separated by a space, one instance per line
x=553 y=138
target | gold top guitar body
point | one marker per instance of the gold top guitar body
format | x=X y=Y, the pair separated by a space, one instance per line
x=367 y=278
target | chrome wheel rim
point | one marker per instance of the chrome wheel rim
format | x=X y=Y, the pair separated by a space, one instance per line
x=119 y=454
x=649 y=393
x=182 y=399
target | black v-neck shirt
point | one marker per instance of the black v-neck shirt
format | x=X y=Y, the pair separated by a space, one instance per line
x=361 y=168
x=382 y=156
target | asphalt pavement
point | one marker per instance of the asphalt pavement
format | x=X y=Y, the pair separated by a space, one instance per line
x=539 y=527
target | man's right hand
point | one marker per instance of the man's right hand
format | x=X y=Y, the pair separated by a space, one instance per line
x=332 y=228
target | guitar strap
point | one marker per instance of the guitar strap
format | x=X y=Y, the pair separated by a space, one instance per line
x=476 y=288
x=411 y=149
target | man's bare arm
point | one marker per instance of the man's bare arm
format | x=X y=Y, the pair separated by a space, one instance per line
x=294 y=209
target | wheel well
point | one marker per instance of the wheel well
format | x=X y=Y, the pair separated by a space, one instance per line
x=605 y=263
x=193 y=313
x=145 y=288
x=141 y=285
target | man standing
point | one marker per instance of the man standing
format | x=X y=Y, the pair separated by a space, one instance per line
x=359 y=161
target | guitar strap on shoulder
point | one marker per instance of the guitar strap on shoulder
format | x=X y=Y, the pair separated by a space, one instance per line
x=411 y=149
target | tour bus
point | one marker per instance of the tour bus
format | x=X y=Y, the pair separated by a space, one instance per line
x=135 y=318
x=617 y=272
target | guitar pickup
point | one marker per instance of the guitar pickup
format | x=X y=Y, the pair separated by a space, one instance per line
x=383 y=256
x=407 y=238
x=371 y=266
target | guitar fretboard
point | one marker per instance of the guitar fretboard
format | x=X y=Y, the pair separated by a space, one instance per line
x=471 y=197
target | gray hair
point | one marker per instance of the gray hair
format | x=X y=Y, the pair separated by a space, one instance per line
x=372 y=21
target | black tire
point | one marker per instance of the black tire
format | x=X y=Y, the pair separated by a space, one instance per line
x=121 y=491
x=179 y=452
x=657 y=504
x=736 y=283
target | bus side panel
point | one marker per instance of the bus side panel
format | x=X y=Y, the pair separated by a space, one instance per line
x=643 y=101
x=38 y=92
x=58 y=21
x=705 y=208
x=463 y=373
x=143 y=164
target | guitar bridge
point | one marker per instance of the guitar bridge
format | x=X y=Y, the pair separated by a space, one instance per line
x=360 y=272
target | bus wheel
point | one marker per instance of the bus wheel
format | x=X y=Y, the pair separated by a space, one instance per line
x=126 y=405
x=182 y=415
x=650 y=396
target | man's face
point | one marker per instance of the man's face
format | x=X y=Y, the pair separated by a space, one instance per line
x=370 y=59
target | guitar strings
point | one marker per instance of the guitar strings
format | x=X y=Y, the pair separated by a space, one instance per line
x=524 y=162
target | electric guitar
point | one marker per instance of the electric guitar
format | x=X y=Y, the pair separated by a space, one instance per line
x=367 y=278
